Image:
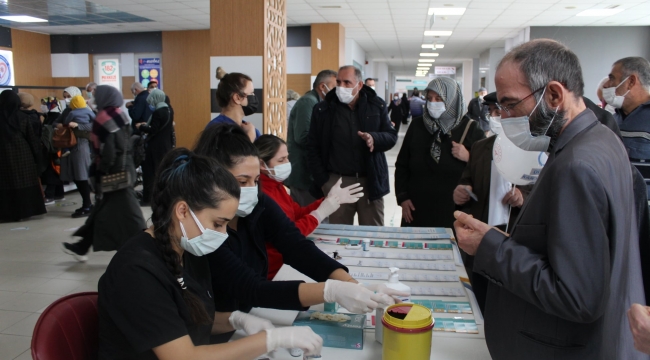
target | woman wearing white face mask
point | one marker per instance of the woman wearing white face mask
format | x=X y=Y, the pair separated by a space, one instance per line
x=275 y=168
x=155 y=299
x=425 y=179
x=239 y=268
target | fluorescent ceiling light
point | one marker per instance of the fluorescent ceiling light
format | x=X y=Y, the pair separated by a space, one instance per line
x=446 y=11
x=427 y=60
x=600 y=12
x=22 y=18
x=424 y=65
x=429 y=54
x=423 y=68
x=437 y=33
x=432 y=46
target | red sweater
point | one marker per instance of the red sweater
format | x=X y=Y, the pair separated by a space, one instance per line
x=305 y=222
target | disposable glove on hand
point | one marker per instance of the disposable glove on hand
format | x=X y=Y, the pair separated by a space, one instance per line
x=301 y=337
x=249 y=323
x=346 y=195
x=326 y=208
x=357 y=299
x=389 y=295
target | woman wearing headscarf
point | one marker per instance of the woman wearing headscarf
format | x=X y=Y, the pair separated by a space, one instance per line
x=433 y=156
x=26 y=106
x=160 y=134
x=75 y=166
x=68 y=94
x=20 y=189
x=116 y=215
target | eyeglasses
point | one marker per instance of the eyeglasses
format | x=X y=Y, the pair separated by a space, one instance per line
x=510 y=107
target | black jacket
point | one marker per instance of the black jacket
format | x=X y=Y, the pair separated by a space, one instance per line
x=140 y=111
x=478 y=112
x=373 y=119
x=239 y=267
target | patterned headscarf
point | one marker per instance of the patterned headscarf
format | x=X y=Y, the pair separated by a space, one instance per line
x=107 y=96
x=450 y=92
x=73 y=91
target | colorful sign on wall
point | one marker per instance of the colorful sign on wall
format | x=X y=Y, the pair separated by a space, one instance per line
x=109 y=73
x=6 y=68
x=445 y=70
x=149 y=69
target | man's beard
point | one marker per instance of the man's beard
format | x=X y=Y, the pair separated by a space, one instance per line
x=548 y=122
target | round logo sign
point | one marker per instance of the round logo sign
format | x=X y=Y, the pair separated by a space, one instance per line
x=5 y=71
x=108 y=67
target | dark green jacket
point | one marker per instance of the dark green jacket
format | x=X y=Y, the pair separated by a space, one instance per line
x=297 y=140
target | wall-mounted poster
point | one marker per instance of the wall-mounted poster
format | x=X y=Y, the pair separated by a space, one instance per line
x=109 y=73
x=6 y=68
x=149 y=69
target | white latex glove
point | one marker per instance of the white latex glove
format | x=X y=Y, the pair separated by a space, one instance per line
x=356 y=299
x=301 y=337
x=391 y=294
x=326 y=208
x=346 y=195
x=249 y=323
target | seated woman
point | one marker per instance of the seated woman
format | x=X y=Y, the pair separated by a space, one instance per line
x=274 y=161
x=155 y=299
x=239 y=268
x=236 y=97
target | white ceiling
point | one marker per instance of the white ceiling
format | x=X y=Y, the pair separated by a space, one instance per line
x=390 y=30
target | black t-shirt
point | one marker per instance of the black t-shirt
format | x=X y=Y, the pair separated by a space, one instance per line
x=141 y=304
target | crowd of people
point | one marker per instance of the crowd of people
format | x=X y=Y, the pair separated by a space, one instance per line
x=555 y=265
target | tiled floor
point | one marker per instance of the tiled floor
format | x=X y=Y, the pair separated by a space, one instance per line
x=34 y=271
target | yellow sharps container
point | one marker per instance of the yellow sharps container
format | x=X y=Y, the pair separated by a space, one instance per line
x=407 y=332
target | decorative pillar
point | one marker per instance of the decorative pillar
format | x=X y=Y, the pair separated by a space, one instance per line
x=250 y=37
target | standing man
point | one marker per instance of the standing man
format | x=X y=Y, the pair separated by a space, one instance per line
x=370 y=82
x=139 y=110
x=477 y=111
x=416 y=104
x=300 y=180
x=628 y=90
x=563 y=279
x=349 y=133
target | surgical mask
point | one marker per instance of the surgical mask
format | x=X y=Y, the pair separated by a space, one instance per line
x=609 y=94
x=325 y=93
x=247 y=201
x=518 y=131
x=395 y=98
x=495 y=124
x=372 y=87
x=281 y=172
x=204 y=244
x=67 y=100
x=436 y=109
x=251 y=108
x=44 y=109
x=345 y=94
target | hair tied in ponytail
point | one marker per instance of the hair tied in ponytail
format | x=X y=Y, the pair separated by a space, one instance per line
x=181 y=283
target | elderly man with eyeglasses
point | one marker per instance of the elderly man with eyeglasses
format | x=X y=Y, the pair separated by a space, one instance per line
x=563 y=279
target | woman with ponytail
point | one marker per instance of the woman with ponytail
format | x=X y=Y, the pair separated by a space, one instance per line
x=156 y=299
x=239 y=268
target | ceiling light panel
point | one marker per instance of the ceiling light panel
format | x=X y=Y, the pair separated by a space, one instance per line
x=427 y=60
x=437 y=33
x=22 y=19
x=446 y=11
x=599 y=12
x=429 y=54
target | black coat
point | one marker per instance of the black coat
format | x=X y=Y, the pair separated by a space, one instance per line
x=478 y=112
x=373 y=119
x=140 y=110
x=160 y=134
x=430 y=185
x=240 y=266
